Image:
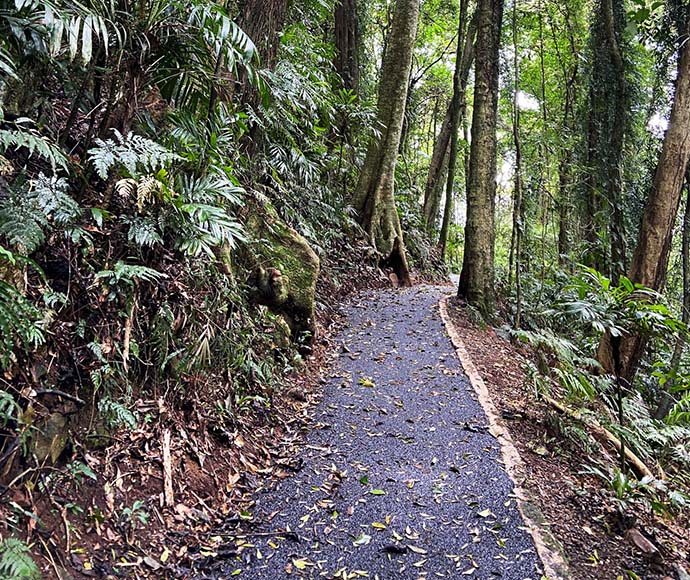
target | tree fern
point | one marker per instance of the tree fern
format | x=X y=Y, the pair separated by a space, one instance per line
x=16 y=562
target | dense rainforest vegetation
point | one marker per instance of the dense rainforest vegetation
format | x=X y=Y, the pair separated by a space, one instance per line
x=188 y=188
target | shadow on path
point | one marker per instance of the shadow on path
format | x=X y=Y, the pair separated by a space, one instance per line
x=400 y=478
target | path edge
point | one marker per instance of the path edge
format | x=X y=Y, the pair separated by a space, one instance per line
x=548 y=547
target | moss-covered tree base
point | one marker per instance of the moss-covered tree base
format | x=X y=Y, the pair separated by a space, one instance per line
x=285 y=270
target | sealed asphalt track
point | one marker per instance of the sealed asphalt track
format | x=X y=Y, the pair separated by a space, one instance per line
x=400 y=478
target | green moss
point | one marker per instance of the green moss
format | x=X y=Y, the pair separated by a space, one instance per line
x=279 y=246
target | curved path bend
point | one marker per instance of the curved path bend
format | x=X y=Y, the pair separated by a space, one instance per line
x=400 y=477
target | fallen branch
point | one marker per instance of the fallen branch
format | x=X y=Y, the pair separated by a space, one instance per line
x=168 y=494
x=604 y=435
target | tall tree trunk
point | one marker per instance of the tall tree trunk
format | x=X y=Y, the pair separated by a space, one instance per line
x=347 y=43
x=608 y=106
x=456 y=104
x=518 y=204
x=650 y=259
x=263 y=20
x=477 y=275
x=439 y=156
x=570 y=68
x=374 y=197
x=666 y=400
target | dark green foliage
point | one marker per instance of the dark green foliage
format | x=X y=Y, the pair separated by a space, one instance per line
x=16 y=562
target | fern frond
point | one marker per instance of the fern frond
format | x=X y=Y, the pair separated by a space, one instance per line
x=35 y=144
x=136 y=154
x=26 y=214
x=126 y=188
x=21 y=227
x=145 y=188
x=143 y=231
x=16 y=562
x=129 y=273
x=9 y=409
x=204 y=227
x=20 y=321
x=211 y=188
x=6 y=167
x=50 y=195
x=116 y=414
x=680 y=412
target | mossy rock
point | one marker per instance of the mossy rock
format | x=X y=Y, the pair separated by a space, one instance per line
x=278 y=251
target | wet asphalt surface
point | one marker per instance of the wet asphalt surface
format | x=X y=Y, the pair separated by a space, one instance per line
x=399 y=478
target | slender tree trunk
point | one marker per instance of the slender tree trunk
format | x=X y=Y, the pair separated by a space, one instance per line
x=477 y=275
x=432 y=190
x=439 y=156
x=374 y=197
x=666 y=400
x=455 y=109
x=347 y=43
x=570 y=69
x=518 y=205
x=650 y=259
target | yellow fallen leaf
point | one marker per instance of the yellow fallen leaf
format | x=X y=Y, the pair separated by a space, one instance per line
x=301 y=563
x=378 y=525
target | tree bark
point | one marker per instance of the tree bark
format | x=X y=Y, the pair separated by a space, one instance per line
x=608 y=106
x=374 y=197
x=262 y=21
x=650 y=259
x=439 y=156
x=666 y=399
x=477 y=275
x=456 y=105
x=347 y=43
x=432 y=190
x=518 y=203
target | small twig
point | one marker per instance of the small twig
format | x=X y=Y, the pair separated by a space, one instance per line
x=26 y=472
x=62 y=394
x=49 y=555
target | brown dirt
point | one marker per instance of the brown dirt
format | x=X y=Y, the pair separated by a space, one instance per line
x=118 y=525
x=581 y=514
